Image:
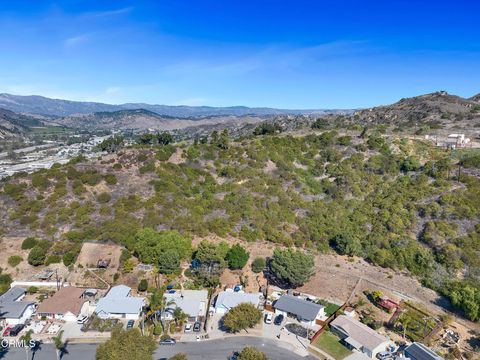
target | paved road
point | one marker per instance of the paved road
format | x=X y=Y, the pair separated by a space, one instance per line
x=209 y=350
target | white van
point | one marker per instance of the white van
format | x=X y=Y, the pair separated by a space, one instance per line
x=81 y=319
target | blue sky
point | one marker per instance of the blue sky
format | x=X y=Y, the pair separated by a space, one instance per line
x=286 y=54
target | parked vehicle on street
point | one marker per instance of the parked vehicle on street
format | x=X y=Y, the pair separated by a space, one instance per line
x=168 y=341
x=268 y=318
x=130 y=324
x=278 y=320
x=197 y=326
x=188 y=328
x=234 y=356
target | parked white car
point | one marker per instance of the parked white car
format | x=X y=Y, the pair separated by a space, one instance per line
x=81 y=319
x=268 y=318
x=188 y=327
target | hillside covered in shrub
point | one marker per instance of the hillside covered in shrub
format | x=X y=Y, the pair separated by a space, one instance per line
x=399 y=203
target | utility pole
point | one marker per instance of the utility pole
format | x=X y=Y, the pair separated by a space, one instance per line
x=57 y=280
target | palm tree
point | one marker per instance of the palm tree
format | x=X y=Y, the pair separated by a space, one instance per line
x=60 y=345
x=156 y=276
x=158 y=304
x=179 y=316
x=405 y=321
x=26 y=339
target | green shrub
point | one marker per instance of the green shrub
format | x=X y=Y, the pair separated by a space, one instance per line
x=143 y=285
x=110 y=179
x=258 y=264
x=53 y=259
x=32 y=290
x=142 y=157
x=68 y=258
x=237 y=257
x=104 y=198
x=148 y=167
x=29 y=243
x=37 y=255
x=14 y=260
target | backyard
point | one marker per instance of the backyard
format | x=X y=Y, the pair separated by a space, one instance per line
x=330 y=308
x=330 y=343
x=414 y=323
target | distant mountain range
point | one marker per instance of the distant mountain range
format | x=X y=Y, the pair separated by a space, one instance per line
x=13 y=124
x=141 y=120
x=18 y=113
x=40 y=105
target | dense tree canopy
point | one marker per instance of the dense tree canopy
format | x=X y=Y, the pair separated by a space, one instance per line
x=291 y=267
x=127 y=344
x=165 y=248
x=237 y=257
x=37 y=255
x=251 y=353
x=242 y=317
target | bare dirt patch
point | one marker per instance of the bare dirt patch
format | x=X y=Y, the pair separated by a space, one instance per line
x=86 y=272
x=92 y=252
x=176 y=157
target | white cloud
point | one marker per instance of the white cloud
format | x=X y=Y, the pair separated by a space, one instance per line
x=112 y=12
x=76 y=40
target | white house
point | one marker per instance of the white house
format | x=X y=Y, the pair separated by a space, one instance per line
x=229 y=299
x=457 y=141
x=306 y=312
x=66 y=304
x=13 y=310
x=118 y=303
x=192 y=302
x=358 y=336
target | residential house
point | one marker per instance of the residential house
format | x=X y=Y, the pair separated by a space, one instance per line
x=418 y=351
x=307 y=312
x=456 y=141
x=66 y=304
x=120 y=304
x=13 y=310
x=228 y=299
x=358 y=336
x=192 y=302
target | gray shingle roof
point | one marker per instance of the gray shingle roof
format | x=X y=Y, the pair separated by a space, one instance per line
x=230 y=299
x=359 y=333
x=192 y=302
x=418 y=351
x=117 y=301
x=303 y=309
x=12 y=294
x=13 y=309
x=10 y=307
